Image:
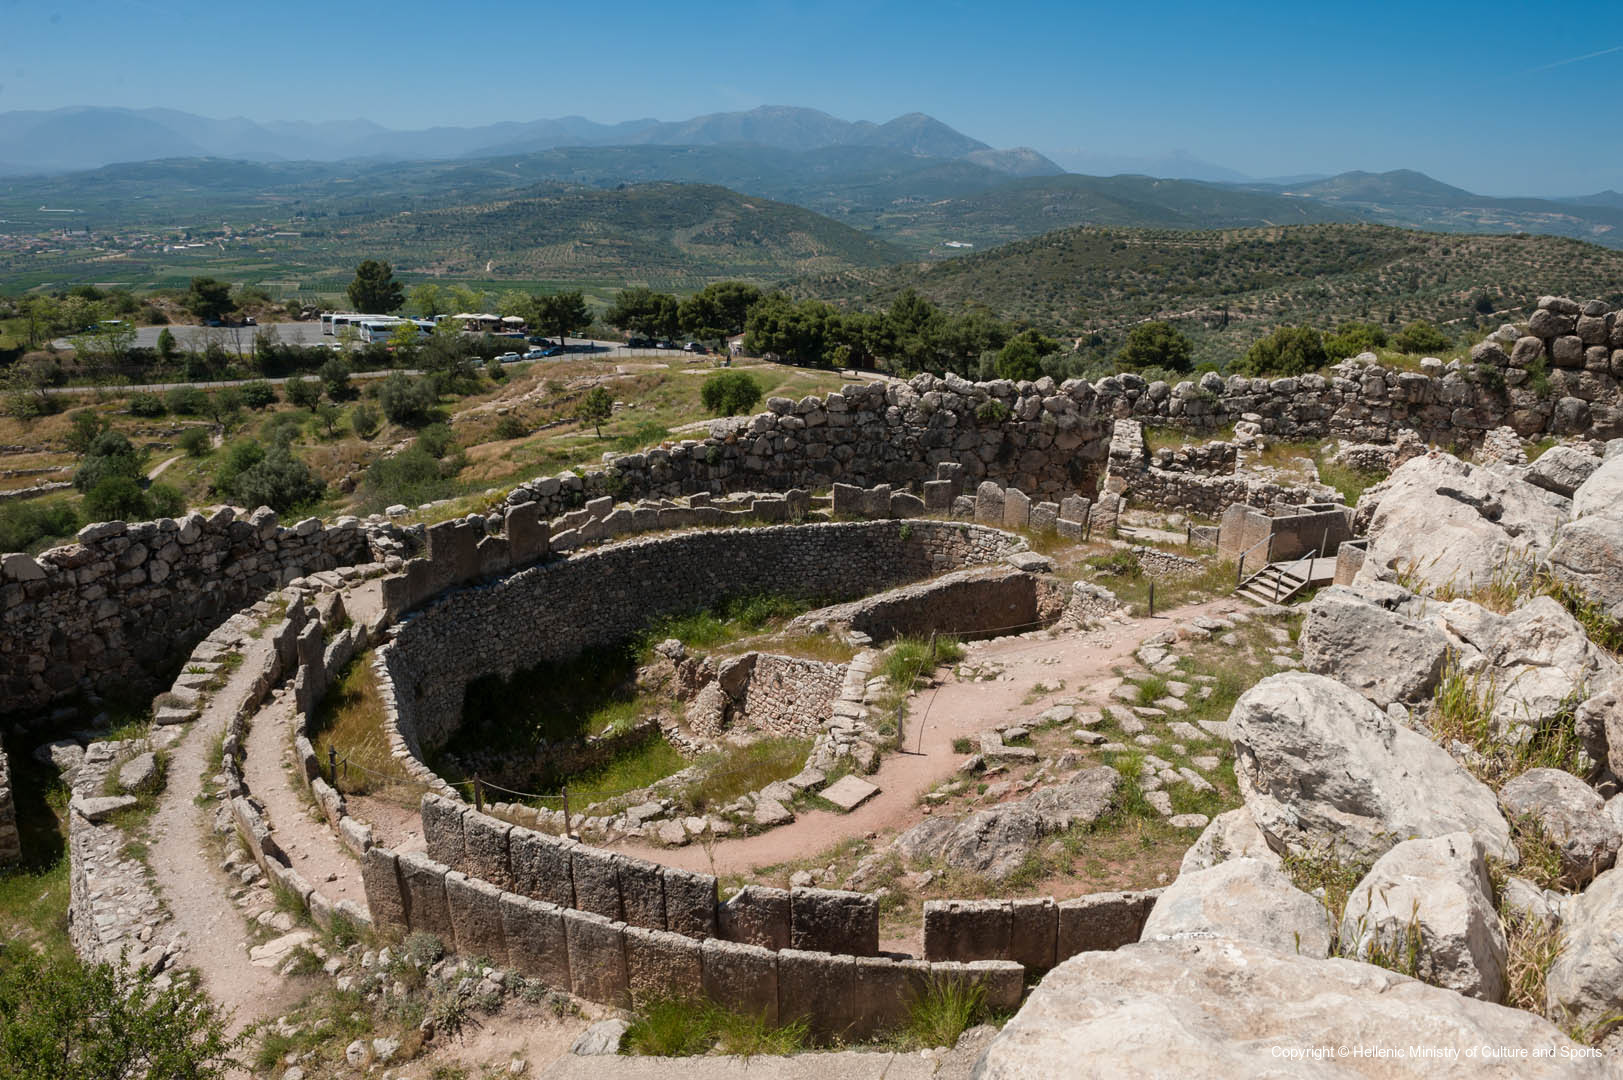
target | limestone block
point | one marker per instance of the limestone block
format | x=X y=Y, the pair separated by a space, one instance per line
x=536 y=943
x=484 y=841
x=938 y=495
x=848 y=500
x=597 y=958
x=476 y=917
x=542 y=866
x=596 y=875
x=422 y=881
x=741 y=978
x=1033 y=933
x=442 y=829
x=1044 y=517
x=527 y=533
x=833 y=920
x=819 y=988
x=642 y=892
x=661 y=964
x=882 y=992
x=756 y=915
x=876 y=501
x=1016 y=509
x=690 y=903
x=967 y=929
x=989 y=504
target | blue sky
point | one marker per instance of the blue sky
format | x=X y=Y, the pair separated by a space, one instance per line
x=1498 y=98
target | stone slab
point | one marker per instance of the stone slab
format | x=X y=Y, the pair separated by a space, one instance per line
x=542 y=866
x=597 y=958
x=741 y=978
x=849 y=792
x=537 y=946
x=660 y=964
x=476 y=917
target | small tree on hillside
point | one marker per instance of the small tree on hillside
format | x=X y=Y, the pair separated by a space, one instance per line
x=596 y=407
x=210 y=299
x=1421 y=337
x=374 y=290
x=728 y=393
x=561 y=313
x=1156 y=345
x=1289 y=350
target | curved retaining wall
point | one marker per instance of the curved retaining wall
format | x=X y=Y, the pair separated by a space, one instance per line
x=554 y=611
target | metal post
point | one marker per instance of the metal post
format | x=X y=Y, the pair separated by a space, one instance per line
x=332 y=766
x=1188 y=535
x=478 y=794
x=568 y=829
x=1152 y=598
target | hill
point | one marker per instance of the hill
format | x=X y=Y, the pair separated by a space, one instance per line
x=1226 y=287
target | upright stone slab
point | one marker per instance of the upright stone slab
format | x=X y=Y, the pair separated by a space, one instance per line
x=527 y=533
x=642 y=892
x=967 y=929
x=1016 y=509
x=876 y=501
x=597 y=958
x=596 y=874
x=848 y=500
x=542 y=866
x=1033 y=932
x=600 y=508
x=883 y=991
x=1102 y=922
x=1074 y=508
x=380 y=880
x=660 y=964
x=905 y=505
x=756 y=915
x=442 y=829
x=690 y=903
x=484 y=842
x=819 y=988
x=476 y=917
x=1003 y=981
x=834 y=921
x=963 y=508
x=422 y=881
x=536 y=944
x=453 y=551
x=989 y=504
x=741 y=978
x=938 y=495
x=1045 y=517
x=951 y=472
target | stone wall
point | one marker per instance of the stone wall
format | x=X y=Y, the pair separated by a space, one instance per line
x=1194 y=479
x=1036 y=932
x=602 y=597
x=1259 y=537
x=117 y=611
x=966 y=603
x=788 y=695
x=11 y=847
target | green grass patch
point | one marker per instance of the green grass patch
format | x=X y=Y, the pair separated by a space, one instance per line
x=350 y=720
x=681 y=1027
x=943 y=1011
x=653 y=760
x=745 y=768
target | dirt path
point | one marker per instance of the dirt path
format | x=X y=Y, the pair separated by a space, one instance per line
x=188 y=875
x=157 y=470
x=1082 y=660
x=270 y=773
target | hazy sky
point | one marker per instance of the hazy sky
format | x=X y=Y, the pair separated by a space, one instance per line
x=1498 y=98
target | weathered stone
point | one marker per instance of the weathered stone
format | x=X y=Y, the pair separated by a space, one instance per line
x=1230 y=835
x=1364 y=644
x=831 y=920
x=1245 y=899
x=1571 y=815
x=660 y=964
x=1102 y=921
x=597 y=958
x=741 y=978
x=756 y=915
x=536 y=943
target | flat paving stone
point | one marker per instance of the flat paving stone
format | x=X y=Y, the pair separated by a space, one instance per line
x=850 y=792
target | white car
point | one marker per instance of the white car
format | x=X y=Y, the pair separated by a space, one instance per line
x=508 y=358
x=533 y=354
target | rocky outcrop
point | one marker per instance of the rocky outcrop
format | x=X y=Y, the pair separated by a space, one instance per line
x=1562 y=469
x=1321 y=766
x=1571 y=815
x=1230 y=835
x=1223 y=1009
x=1601 y=492
x=1588 y=557
x=1447 y=525
x=1355 y=636
x=1429 y=903
x=1585 y=984
x=1246 y=899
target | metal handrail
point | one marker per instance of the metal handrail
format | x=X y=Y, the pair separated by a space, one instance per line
x=1239 y=569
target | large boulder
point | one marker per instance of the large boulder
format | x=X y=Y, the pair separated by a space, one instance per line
x=1588 y=557
x=1447 y=525
x=1571 y=815
x=1081 y=800
x=1248 y=899
x=1562 y=469
x=989 y=842
x=1431 y=900
x=1599 y=723
x=1365 y=644
x=1230 y=835
x=1220 y=1009
x=1585 y=984
x=1538 y=660
x=1602 y=492
x=1320 y=766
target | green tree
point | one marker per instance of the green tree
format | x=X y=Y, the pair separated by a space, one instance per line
x=335 y=377
x=186 y=401
x=303 y=393
x=405 y=340
x=209 y=299
x=327 y=417
x=375 y=290
x=729 y=393
x=259 y=394
x=717 y=311
x=364 y=420
x=225 y=407
x=596 y=407
x=1289 y=350
x=279 y=480
x=86 y=425
x=1156 y=345
x=110 y=454
x=1021 y=358
x=562 y=313
x=1353 y=338
x=195 y=441
x=117 y=498
x=802 y=333
x=428 y=300
x=642 y=312
x=405 y=400
x=912 y=325
x=166 y=345
x=1421 y=337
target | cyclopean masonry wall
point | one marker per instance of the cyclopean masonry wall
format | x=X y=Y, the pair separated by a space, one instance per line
x=117 y=610
x=10 y=842
x=1194 y=479
x=602 y=597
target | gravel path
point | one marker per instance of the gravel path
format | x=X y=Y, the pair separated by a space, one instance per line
x=188 y=875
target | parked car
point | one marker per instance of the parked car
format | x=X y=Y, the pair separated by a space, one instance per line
x=667 y=345
x=553 y=351
x=508 y=358
x=537 y=339
x=695 y=348
x=535 y=354
x=640 y=343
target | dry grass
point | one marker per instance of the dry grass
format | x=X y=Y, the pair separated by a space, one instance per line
x=350 y=720
x=1531 y=947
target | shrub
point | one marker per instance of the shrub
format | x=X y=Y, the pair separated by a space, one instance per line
x=436 y=439
x=195 y=441
x=944 y=1011
x=259 y=394
x=116 y=498
x=87 y=424
x=165 y=501
x=412 y=478
x=1289 y=350
x=109 y=455
x=146 y=405
x=405 y=400
x=303 y=392
x=511 y=427
x=1420 y=337
x=186 y=401
x=992 y=412
x=364 y=420
x=278 y=480
x=1350 y=339
x=335 y=377
x=729 y=393
x=595 y=407
x=24 y=524
x=1156 y=345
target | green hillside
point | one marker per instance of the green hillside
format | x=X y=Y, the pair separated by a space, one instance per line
x=1227 y=287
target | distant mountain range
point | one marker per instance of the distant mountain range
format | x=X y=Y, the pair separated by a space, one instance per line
x=66 y=140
